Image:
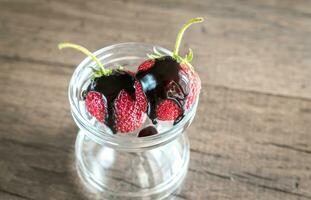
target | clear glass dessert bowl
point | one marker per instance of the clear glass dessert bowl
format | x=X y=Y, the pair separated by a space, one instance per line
x=124 y=165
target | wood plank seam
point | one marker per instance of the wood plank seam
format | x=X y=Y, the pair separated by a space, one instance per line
x=15 y=194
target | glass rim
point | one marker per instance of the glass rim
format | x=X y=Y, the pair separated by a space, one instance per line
x=117 y=140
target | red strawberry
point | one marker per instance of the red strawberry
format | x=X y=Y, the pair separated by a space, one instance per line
x=168 y=110
x=95 y=105
x=130 y=113
x=165 y=82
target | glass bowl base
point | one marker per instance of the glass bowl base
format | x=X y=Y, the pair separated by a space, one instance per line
x=146 y=174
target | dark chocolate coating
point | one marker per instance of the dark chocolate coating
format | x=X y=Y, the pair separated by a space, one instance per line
x=150 y=130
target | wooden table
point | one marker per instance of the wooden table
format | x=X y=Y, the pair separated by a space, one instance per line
x=251 y=138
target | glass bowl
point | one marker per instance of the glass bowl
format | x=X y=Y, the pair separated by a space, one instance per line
x=121 y=165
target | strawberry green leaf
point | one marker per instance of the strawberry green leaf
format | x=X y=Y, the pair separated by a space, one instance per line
x=189 y=56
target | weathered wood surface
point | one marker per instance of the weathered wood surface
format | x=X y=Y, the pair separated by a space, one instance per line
x=251 y=138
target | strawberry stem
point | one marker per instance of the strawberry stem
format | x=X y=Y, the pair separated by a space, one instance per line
x=87 y=52
x=181 y=33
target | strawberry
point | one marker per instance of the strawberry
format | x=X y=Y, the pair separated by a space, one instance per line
x=169 y=82
x=114 y=97
x=126 y=102
x=95 y=105
x=129 y=112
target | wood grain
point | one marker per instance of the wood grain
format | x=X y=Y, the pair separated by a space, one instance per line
x=251 y=138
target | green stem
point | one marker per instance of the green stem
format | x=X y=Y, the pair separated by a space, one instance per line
x=182 y=30
x=83 y=50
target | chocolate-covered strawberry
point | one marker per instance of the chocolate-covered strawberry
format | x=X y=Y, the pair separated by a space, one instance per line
x=114 y=97
x=169 y=82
